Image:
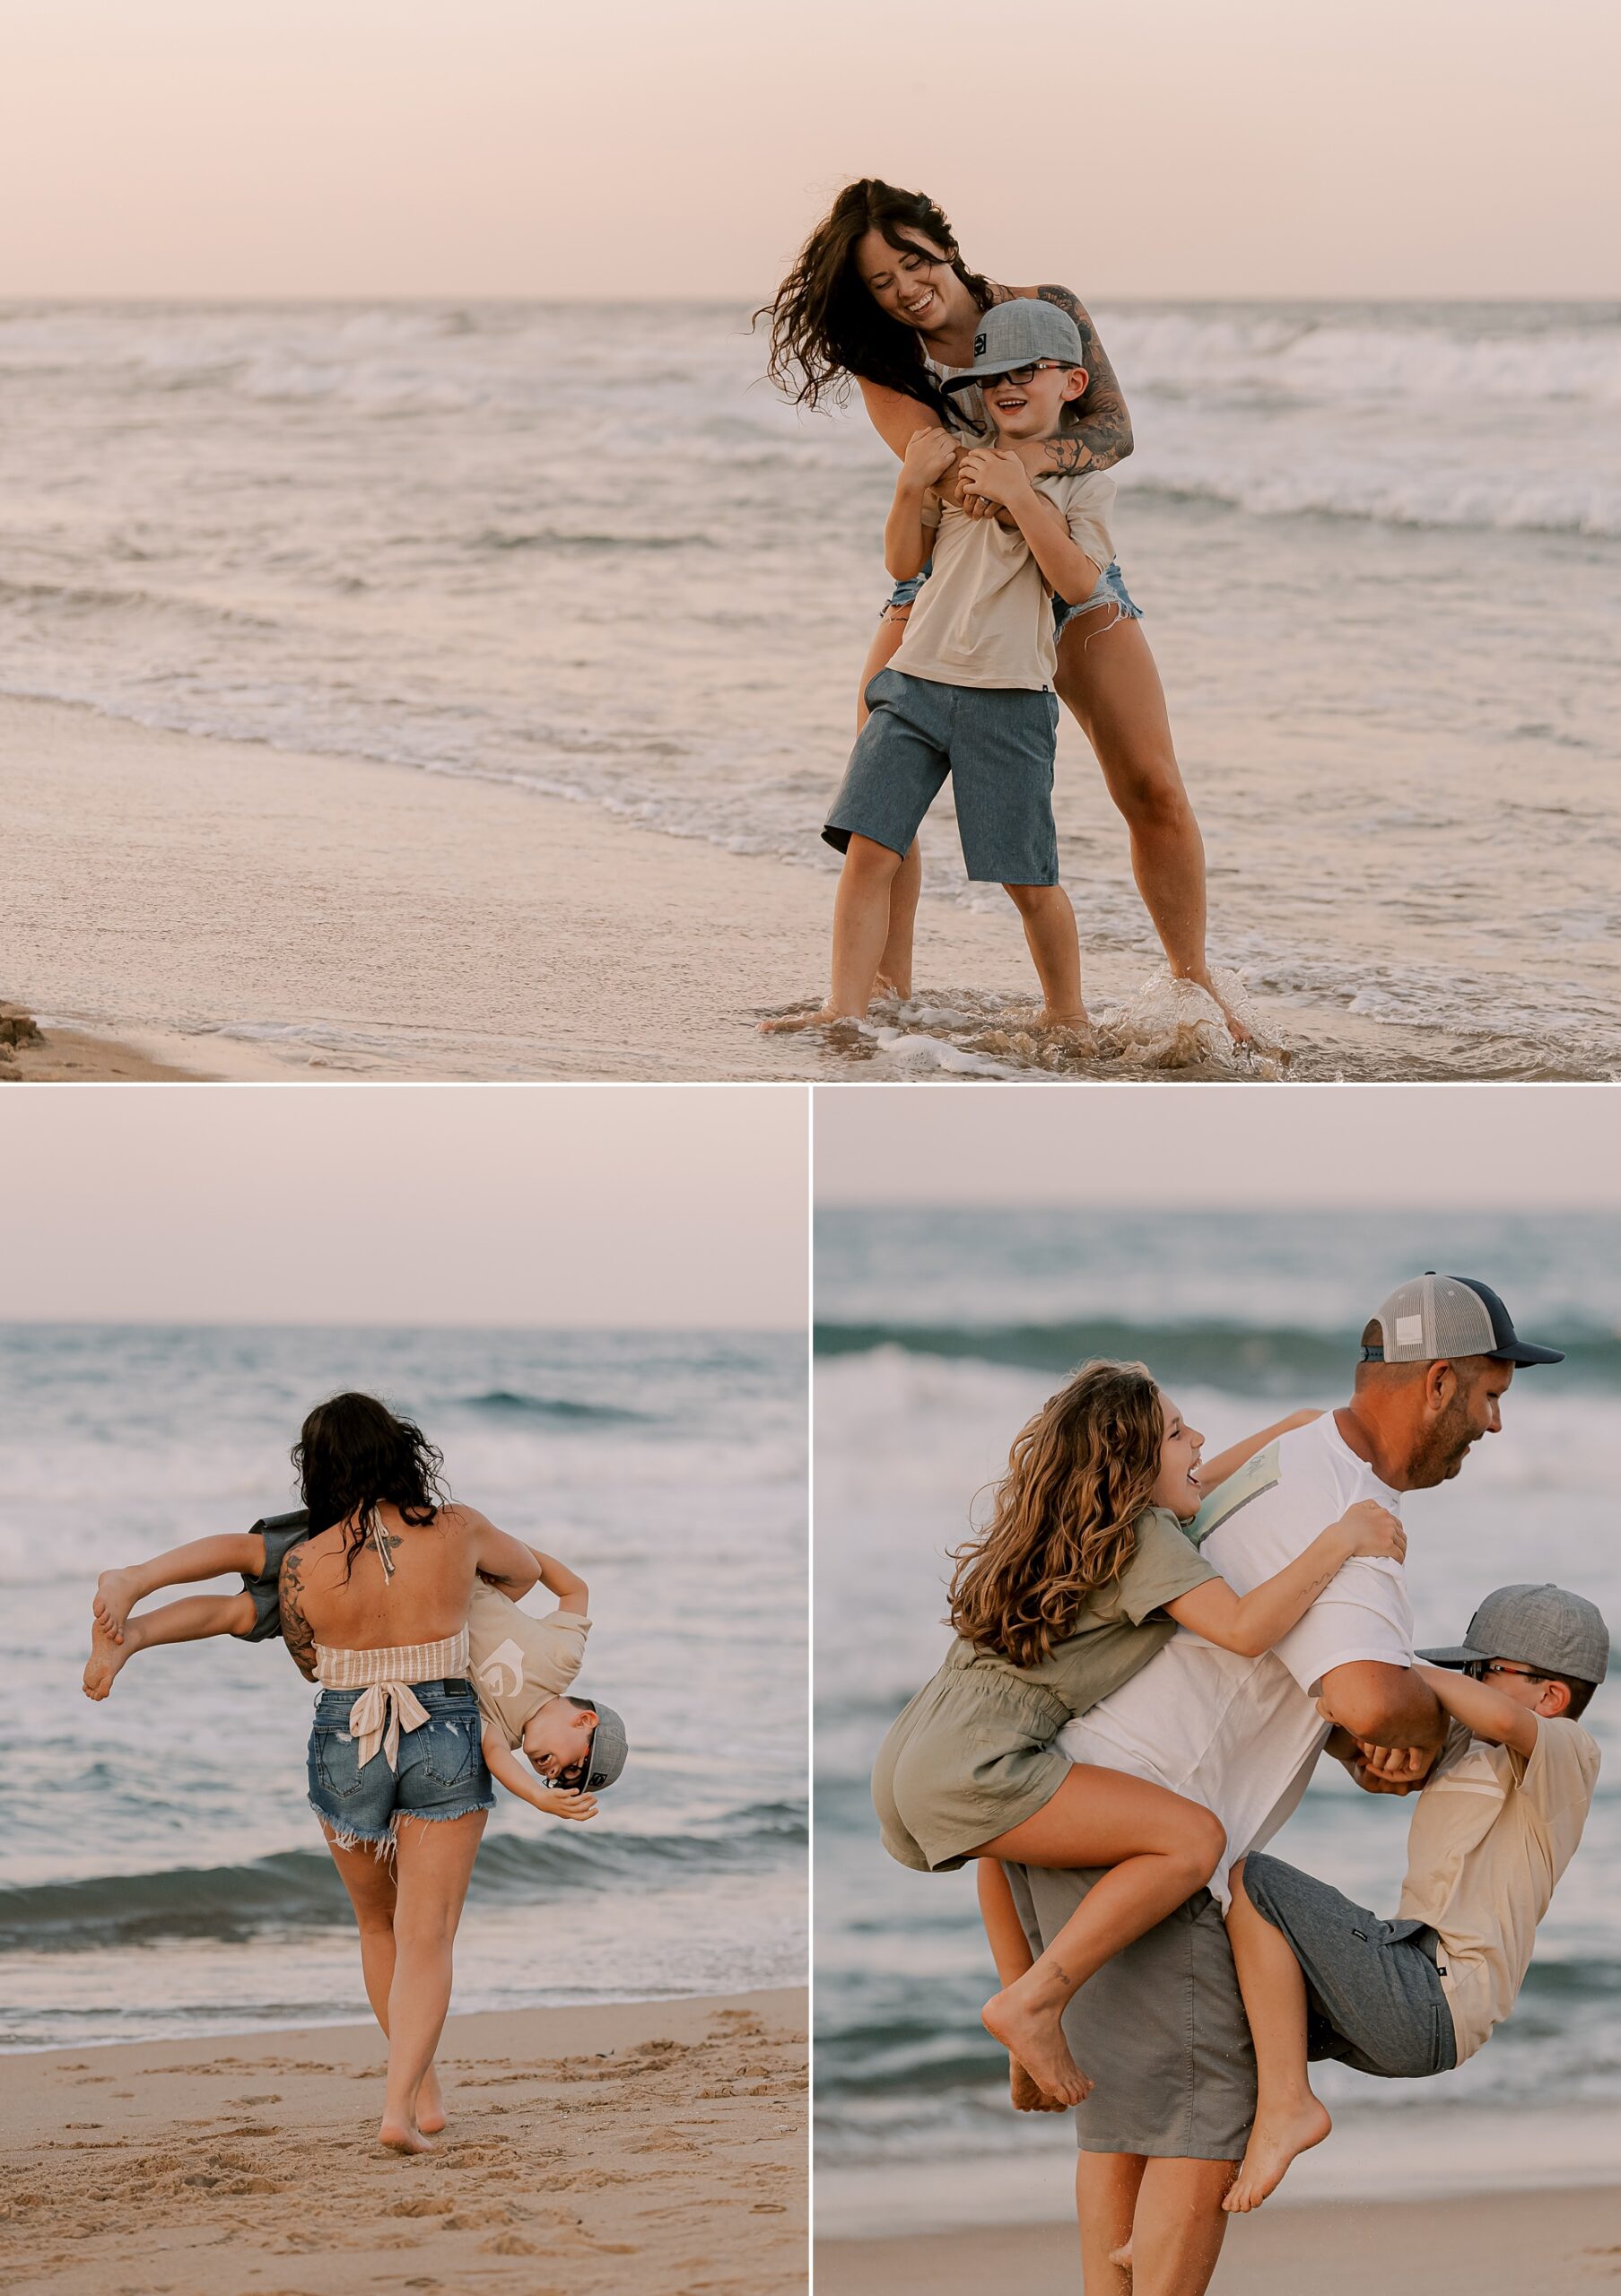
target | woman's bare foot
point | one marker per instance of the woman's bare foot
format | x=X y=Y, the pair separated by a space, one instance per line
x=402 y=2136
x=431 y=2114
x=1030 y=2032
x=105 y=1657
x=1236 y=1028
x=1273 y=2141
x=1028 y=2094
x=824 y=1017
x=116 y=1594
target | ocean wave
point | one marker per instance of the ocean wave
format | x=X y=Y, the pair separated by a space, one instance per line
x=299 y=1889
x=1281 y=1360
x=1418 y=496
x=502 y=1401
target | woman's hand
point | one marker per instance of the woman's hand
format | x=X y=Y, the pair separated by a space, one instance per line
x=1371 y=1529
x=929 y=454
x=996 y=474
x=565 y=1801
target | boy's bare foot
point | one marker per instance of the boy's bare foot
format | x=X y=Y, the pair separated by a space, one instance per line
x=431 y=2114
x=1274 y=2141
x=1032 y=2032
x=106 y=1658
x=402 y=2136
x=1028 y=2094
x=824 y=1017
x=117 y=1595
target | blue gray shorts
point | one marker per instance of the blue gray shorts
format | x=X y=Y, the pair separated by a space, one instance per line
x=1374 y=1998
x=1110 y=591
x=441 y=1774
x=997 y=742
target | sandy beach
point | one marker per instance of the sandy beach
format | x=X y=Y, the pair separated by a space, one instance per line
x=224 y=909
x=656 y=2145
x=1492 y=2244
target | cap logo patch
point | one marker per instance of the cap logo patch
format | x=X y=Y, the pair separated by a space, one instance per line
x=979 y=346
x=503 y=1671
x=1409 y=1331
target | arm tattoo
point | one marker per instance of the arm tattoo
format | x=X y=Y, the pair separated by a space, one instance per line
x=296 y=1632
x=1097 y=432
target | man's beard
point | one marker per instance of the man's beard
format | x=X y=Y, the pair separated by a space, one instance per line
x=1445 y=1447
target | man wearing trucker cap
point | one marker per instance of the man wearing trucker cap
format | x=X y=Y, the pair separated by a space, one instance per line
x=1163 y=2024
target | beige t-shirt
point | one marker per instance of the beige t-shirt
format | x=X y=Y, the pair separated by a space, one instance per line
x=1492 y=1833
x=984 y=617
x=520 y=1661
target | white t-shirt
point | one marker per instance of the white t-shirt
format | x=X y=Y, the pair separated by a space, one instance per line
x=1241 y=1736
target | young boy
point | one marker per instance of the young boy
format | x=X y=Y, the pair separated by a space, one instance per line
x=520 y=1664
x=971 y=690
x=1497 y=1823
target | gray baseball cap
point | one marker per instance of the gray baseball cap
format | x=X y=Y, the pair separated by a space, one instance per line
x=1433 y=1318
x=1017 y=333
x=606 y=1758
x=1545 y=1627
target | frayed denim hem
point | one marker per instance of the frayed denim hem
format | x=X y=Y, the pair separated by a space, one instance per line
x=384 y=1845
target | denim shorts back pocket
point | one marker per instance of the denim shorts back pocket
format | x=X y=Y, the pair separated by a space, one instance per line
x=450 y=1746
x=334 y=1767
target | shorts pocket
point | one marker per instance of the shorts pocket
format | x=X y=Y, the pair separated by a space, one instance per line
x=334 y=1766
x=451 y=1749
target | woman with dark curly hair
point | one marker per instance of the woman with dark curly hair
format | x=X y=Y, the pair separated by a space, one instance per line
x=881 y=295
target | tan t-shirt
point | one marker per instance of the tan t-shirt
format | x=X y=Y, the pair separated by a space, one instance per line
x=984 y=617
x=1491 y=1834
x=520 y=1661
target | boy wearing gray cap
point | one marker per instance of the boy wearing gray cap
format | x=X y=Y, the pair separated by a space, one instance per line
x=1497 y=1823
x=970 y=693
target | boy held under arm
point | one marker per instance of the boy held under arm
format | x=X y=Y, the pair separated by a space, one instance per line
x=251 y=1614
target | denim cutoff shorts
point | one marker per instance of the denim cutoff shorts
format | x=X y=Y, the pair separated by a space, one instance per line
x=997 y=742
x=441 y=1774
x=1110 y=591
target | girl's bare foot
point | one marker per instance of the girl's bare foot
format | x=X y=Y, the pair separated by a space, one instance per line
x=1032 y=2032
x=402 y=2136
x=1028 y=2094
x=431 y=2114
x=105 y=1657
x=1275 y=2139
x=117 y=1595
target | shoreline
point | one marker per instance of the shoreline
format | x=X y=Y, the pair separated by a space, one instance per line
x=1492 y=2243
x=260 y=914
x=672 y=2133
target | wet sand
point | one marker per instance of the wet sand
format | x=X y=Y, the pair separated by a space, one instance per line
x=1491 y=2244
x=228 y=910
x=659 y=2146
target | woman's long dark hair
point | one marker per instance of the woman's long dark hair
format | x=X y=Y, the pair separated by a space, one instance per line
x=826 y=325
x=352 y=1456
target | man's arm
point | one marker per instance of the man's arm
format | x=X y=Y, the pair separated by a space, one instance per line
x=1383 y=1705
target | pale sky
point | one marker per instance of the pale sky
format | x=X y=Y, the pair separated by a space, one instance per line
x=1542 y=1148
x=251 y=148
x=637 y=1206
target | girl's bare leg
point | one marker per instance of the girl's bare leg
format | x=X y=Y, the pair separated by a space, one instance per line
x=1159 y=1848
x=119 y=1591
x=1289 y=2118
x=1010 y=1951
x=434 y=1862
x=192 y=1619
x=1111 y=687
x=373 y=1892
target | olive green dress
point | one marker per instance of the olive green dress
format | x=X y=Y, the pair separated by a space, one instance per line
x=972 y=1756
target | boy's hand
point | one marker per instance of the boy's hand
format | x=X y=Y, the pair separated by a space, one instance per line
x=997 y=474
x=566 y=1802
x=929 y=454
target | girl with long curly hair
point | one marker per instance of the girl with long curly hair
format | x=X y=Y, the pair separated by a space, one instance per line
x=1085 y=1571
x=882 y=296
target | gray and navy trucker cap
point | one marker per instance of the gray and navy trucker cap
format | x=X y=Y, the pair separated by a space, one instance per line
x=1433 y=1318
x=606 y=1758
x=1543 y=1626
x=1017 y=333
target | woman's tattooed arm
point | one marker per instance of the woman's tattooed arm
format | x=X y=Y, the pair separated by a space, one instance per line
x=296 y=1632
x=1097 y=430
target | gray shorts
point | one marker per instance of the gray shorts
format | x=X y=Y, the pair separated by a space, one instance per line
x=1160 y=2029
x=997 y=742
x=281 y=1533
x=1374 y=1998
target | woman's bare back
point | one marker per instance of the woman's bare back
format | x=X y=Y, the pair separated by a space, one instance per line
x=424 y=1599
